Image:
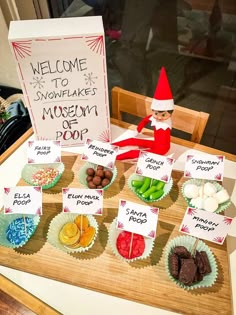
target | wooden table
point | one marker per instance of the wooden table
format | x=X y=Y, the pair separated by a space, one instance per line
x=143 y=281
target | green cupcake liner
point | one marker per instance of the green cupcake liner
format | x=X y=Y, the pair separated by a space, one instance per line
x=167 y=188
x=30 y=169
x=199 y=182
x=7 y=219
x=82 y=174
x=112 y=237
x=188 y=242
x=56 y=225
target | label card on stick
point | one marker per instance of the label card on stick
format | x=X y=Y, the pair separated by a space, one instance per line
x=205 y=225
x=61 y=65
x=136 y=218
x=23 y=200
x=154 y=166
x=83 y=201
x=44 y=151
x=205 y=166
x=100 y=153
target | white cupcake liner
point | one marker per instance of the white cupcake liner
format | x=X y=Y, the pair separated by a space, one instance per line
x=112 y=237
x=188 y=242
x=30 y=169
x=167 y=188
x=83 y=175
x=56 y=225
x=199 y=182
x=6 y=220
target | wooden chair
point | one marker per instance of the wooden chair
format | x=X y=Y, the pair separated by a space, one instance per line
x=184 y=119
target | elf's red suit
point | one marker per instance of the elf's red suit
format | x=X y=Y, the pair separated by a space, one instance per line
x=160 y=144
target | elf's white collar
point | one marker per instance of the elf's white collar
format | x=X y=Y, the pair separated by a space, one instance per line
x=161 y=124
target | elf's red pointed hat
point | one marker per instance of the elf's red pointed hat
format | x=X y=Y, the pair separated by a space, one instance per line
x=163 y=99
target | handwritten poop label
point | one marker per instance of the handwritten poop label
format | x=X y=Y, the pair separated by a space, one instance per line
x=23 y=200
x=205 y=166
x=44 y=151
x=63 y=76
x=154 y=166
x=206 y=225
x=137 y=218
x=83 y=201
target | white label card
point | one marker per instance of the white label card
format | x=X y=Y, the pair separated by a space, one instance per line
x=137 y=218
x=23 y=200
x=44 y=151
x=205 y=166
x=100 y=153
x=83 y=201
x=154 y=166
x=205 y=225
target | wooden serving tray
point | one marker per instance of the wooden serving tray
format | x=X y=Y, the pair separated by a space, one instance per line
x=144 y=281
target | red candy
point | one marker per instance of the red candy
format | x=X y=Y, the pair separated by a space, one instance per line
x=123 y=245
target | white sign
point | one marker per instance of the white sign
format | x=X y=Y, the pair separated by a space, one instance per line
x=83 y=201
x=205 y=166
x=23 y=200
x=137 y=218
x=61 y=65
x=44 y=151
x=154 y=166
x=100 y=153
x=206 y=225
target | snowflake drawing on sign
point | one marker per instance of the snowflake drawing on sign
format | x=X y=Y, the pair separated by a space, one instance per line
x=95 y=43
x=57 y=143
x=65 y=190
x=152 y=234
x=22 y=48
x=30 y=160
x=185 y=229
x=165 y=178
x=218 y=176
x=84 y=157
x=7 y=190
x=170 y=161
x=191 y=211
x=100 y=192
x=120 y=225
x=99 y=211
x=227 y=221
x=220 y=157
x=66 y=209
x=37 y=188
x=139 y=171
x=88 y=141
x=89 y=78
x=219 y=240
x=39 y=211
x=154 y=210
x=8 y=210
x=110 y=165
x=104 y=136
x=187 y=174
x=38 y=82
x=30 y=143
x=189 y=157
x=122 y=203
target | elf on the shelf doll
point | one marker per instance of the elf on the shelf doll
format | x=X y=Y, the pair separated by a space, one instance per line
x=162 y=107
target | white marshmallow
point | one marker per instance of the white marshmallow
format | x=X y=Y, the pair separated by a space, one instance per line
x=210 y=204
x=222 y=196
x=209 y=189
x=197 y=202
x=191 y=191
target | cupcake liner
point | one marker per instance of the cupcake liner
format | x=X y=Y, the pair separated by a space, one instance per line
x=83 y=175
x=112 y=237
x=57 y=224
x=30 y=169
x=7 y=219
x=199 y=182
x=188 y=242
x=167 y=187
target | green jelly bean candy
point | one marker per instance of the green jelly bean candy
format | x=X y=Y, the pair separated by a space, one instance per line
x=154 y=182
x=148 y=192
x=145 y=186
x=160 y=185
x=137 y=183
x=157 y=194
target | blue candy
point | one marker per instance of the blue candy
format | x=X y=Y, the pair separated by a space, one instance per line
x=19 y=230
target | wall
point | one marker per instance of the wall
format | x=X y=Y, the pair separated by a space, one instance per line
x=8 y=74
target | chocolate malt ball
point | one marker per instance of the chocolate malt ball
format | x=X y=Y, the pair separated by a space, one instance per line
x=100 y=173
x=100 y=167
x=90 y=171
x=97 y=180
x=105 y=182
x=91 y=185
x=108 y=174
x=89 y=178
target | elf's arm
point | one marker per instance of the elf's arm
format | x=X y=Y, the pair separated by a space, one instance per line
x=143 y=123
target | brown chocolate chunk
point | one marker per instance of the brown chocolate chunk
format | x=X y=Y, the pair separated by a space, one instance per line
x=174 y=265
x=202 y=263
x=187 y=271
x=181 y=252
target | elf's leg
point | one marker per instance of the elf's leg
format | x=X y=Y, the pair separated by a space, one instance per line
x=135 y=142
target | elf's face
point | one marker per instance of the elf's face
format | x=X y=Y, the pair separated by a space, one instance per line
x=160 y=115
